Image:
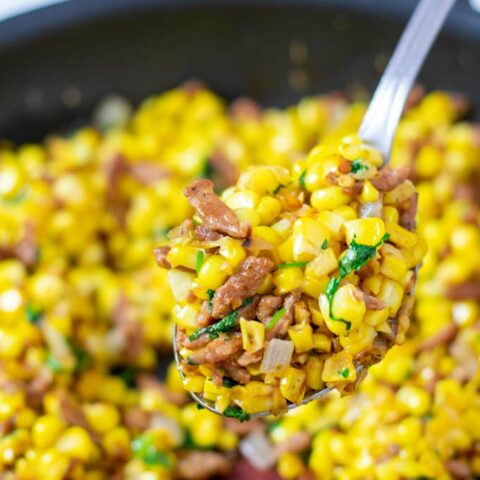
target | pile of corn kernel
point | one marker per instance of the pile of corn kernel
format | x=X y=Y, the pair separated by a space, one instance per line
x=85 y=315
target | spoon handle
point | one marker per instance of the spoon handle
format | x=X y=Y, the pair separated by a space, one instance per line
x=381 y=119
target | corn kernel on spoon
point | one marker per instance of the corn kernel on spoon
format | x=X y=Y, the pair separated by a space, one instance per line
x=378 y=129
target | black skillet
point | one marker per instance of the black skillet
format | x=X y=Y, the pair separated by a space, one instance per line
x=56 y=63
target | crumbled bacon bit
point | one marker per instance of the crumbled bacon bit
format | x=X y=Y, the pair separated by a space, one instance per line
x=387 y=179
x=200 y=465
x=161 y=257
x=218 y=350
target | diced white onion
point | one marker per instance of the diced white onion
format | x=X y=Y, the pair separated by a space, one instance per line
x=180 y=282
x=112 y=111
x=258 y=450
x=169 y=425
x=278 y=354
x=370 y=209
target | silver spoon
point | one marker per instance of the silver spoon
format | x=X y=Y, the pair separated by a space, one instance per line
x=383 y=114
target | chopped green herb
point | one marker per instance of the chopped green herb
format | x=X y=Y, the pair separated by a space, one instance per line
x=33 y=315
x=200 y=257
x=229 y=382
x=160 y=233
x=278 y=188
x=226 y=324
x=271 y=426
x=207 y=170
x=128 y=375
x=276 y=317
x=53 y=364
x=293 y=265
x=344 y=373
x=82 y=358
x=144 y=448
x=325 y=244
x=428 y=416
x=236 y=412
x=357 y=166
x=356 y=257
x=200 y=407
x=210 y=294
x=301 y=179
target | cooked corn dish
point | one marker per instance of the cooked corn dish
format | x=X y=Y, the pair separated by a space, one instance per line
x=86 y=317
x=292 y=281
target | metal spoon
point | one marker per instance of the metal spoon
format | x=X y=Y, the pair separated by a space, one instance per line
x=383 y=114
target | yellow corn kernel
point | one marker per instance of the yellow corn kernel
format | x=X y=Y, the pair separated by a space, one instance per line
x=285 y=250
x=369 y=193
x=267 y=234
x=266 y=285
x=314 y=286
x=323 y=264
x=390 y=214
x=358 y=339
x=374 y=283
x=414 y=400
x=290 y=465
x=339 y=368
x=232 y=251
x=76 y=443
x=253 y=335
x=243 y=199
x=102 y=416
x=269 y=209
x=400 y=193
x=352 y=150
x=413 y=256
x=248 y=215
x=329 y=198
x=348 y=305
x=375 y=318
x=366 y=231
x=264 y=179
x=338 y=327
x=319 y=166
x=195 y=383
x=222 y=402
x=333 y=222
x=322 y=342
x=393 y=267
x=186 y=316
x=346 y=211
x=293 y=384
x=301 y=335
x=116 y=441
x=392 y=294
x=314 y=370
x=214 y=272
x=282 y=227
x=228 y=441
x=183 y=255
x=287 y=279
x=46 y=430
x=211 y=391
x=308 y=237
x=401 y=236
x=207 y=428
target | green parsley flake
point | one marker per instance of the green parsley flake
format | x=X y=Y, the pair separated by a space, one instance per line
x=293 y=265
x=143 y=448
x=357 y=166
x=325 y=244
x=200 y=259
x=53 y=364
x=301 y=179
x=236 y=412
x=33 y=315
x=276 y=317
x=344 y=373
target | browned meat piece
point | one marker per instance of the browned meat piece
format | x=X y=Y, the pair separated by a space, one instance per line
x=136 y=419
x=245 y=109
x=213 y=212
x=247 y=358
x=182 y=340
x=281 y=327
x=241 y=285
x=467 y=360
x=461 y=104
x=267 y=306
x=249 y=311
x=225 y=174
x=26 y=248
x=217 y=378
x=115 y=170
x=345 y=166
x=150 y=382
x=371 y=302
x=37 y=388
x=387 y=179
x=308 y=475
x=375 y=352
x=458 y=469
x=355 y=189
x=294 y=444
x=244 y=470
x=407 y=217
x=238 y=374
x=464 y=291
x=204 y=233
x=196 y=465
x=243 y=428
x=443 y=337
x=218 y=351
x=161 y=257
x=71 y=413
x=468 y=191
x=204 y=317
x=148 y=173
x=192 y=87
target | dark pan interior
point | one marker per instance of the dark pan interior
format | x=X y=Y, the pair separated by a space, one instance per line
x=58 y=62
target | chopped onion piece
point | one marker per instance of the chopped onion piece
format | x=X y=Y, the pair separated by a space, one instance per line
x=180 y=283
x=169 y=425
x=370 y=209
x=258 y=450
x=278 y=354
